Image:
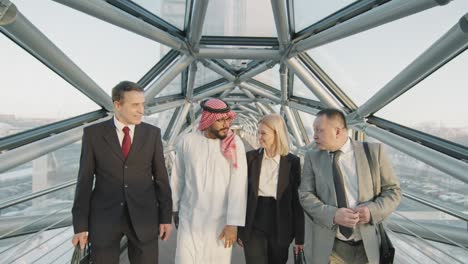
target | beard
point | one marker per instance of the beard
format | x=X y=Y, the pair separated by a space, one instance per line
x=217 y=133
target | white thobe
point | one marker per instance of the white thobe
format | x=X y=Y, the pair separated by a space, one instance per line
x=209 y=193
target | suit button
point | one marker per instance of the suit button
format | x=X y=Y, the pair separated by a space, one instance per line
x=126 y=186
x=121 y=204
x=126 y=167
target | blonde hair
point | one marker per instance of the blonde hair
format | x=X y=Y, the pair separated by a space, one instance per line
x=277 y=124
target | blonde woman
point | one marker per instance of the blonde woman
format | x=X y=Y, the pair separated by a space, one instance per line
x=274 y=215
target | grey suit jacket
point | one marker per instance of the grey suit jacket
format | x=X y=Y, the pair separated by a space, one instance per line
x=318 y=198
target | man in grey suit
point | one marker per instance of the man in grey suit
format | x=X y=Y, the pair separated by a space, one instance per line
x=131 y=196
x=337 y=194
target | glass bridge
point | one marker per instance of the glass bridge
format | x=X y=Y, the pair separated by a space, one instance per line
x=397 y=68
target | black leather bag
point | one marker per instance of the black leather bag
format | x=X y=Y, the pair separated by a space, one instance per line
x=81 y=256
x=387 y=250
x=299 y=258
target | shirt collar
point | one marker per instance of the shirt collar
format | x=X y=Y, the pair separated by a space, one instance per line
x=346 y=147
x=276 y=158
x=119 y=125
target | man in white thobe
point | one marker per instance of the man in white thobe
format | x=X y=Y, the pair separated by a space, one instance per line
x=209 y=188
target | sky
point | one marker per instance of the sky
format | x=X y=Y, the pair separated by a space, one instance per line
x=361 y=64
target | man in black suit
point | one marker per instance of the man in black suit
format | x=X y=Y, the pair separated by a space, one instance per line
x=131 y=195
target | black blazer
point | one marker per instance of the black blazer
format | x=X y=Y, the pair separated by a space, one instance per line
x=140 y=181
x=289 y=213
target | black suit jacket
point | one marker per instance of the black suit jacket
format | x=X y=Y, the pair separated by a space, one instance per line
x=140 y=181
x=289 y=213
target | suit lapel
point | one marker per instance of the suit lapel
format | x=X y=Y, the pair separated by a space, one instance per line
x=365 y=188
x=283 y=177
x=138 y=140
x=256 y=166
x=111 y=138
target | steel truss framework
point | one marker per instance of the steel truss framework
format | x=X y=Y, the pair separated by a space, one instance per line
x=250 y=98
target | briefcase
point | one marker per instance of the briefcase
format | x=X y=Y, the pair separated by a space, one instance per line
x=81 y=256
x=387 y=251
x=299 y=258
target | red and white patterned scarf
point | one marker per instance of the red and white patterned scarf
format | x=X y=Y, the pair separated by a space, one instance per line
x=228 y=145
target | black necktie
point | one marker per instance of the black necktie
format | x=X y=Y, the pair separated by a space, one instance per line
x=340 y=191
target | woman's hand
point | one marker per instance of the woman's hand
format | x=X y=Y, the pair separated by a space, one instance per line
x=298 y=248
x=240 y=243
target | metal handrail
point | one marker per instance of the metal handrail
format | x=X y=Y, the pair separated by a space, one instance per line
x=30 y=196
x=430 y=231
x=34 y=235
x=40 y=244
x=7 y=234
x=425 y=242
x=436 y=206
x=61 y=242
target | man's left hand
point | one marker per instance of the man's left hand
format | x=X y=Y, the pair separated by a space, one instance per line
x=364 y=214
x=229 y=234
x=165 y=231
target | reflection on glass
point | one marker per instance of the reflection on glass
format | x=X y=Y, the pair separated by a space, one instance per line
x=441 y=99
x=425 y=250
x=239 y=18
x=174 y=87
x=51 y=246
x=25 y=107
x=419 y=178
x=301 y=90
x=362 y=64
x=173 y=11
x=270 y=77
x=48 y=170
x=308 y=12
x=106 y=53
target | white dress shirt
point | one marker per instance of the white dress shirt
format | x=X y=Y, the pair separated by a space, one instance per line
x=347 y=164
x=119 y=128
x=269 y=172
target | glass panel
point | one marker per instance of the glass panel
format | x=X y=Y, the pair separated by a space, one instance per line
x=205 y=75
x=48 y=170
x=423 y=250
x=47 y=247
x=308 y=121
x=363 y=63
x=308 y=12
x=36 y=95
x=239 y=18
x=441 y=102
x=270 y=77
x=419 y=178
x=173 y=11
x=276 y=107
x=122 y=54
x=174 y=87
x=301 y=90
x=160 y=119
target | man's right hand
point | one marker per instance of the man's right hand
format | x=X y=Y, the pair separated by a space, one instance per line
x=175 y=216
x=346 y=217
x=81 y=238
